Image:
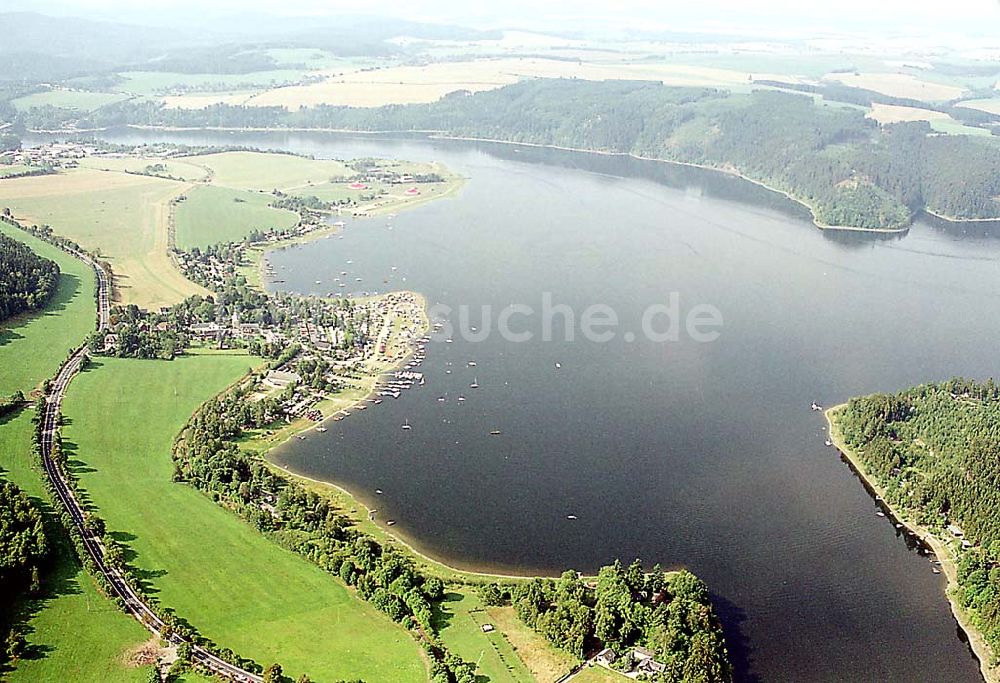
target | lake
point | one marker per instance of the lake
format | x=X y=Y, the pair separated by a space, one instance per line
x=701 y=454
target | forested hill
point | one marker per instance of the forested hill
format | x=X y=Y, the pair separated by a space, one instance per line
x=851 y=171
x=935 y=449
x=27 y=281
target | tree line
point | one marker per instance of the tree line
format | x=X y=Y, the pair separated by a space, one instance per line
x=669 y=614
x=847 y=168
x=935 y=449
x=27 y=281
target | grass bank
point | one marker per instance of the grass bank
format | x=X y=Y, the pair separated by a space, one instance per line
x=74 y=633
x=33 y=345
x=237 y=587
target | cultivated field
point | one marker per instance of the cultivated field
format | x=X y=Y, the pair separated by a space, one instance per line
x=158 y=82
x=898 y=85
x=212 y=215
x=991 y=105
x=543 y=661
x=32 y=346
x=122 y=216
x=76 y=633
x=236 y=586
x=410 y=84
x=173 y=168
x=889 y=113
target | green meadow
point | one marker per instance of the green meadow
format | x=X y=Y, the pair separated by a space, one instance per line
x=32 y=346
x=261 y=171
x=236 y=586
x=460 y=619
x=212 y=215
x=67 y=99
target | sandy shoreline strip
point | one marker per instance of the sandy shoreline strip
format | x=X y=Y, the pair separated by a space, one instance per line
x=978 y=645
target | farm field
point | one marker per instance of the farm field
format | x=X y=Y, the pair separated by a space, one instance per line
x=461 y=624
x=412 y=84
x=75 y=632
x=172 y=168
x=236 y=586
x=122 y=216
x=267 y=172
x=889 y=113
x=898 y=85
x=989 y=105
x=33 y=346
x=160 y=82
x=213 y=215
x=81 y=100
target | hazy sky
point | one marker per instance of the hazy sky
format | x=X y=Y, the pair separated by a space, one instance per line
x=873 y=15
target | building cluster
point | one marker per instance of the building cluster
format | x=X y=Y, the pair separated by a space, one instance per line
x=638 y=662
x=52 y=155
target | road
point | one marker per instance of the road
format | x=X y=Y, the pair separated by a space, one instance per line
x=134 y=602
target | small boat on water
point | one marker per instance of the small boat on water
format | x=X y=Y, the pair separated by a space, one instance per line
x=472 y=363
x=475 y=383
x=321 y=429
x=406 y=425
x=390 y=522
x=378 y=492
x=558 y=365
x=461 y=398
x=495 y=432
x=815 y=406
x=880 y=513
x=570 y=516
x=936 y=570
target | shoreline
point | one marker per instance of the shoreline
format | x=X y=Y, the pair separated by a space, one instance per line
x=444 y=135
x=980 y=648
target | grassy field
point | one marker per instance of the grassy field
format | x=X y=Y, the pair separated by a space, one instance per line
x=156 y=82
x=543 y=661
x=212 y=215
x=232 y=583
x=33 y=346
x=174 y=169
x=122 y=216
x=67 y=99
x=598 y=674
x=74 y=633
x=7 y=170
x=260 y=171
x=460 y=622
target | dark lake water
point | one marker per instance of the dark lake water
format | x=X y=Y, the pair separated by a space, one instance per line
x=686 y=453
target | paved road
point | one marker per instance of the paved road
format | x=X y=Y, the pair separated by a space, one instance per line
x=119 y=585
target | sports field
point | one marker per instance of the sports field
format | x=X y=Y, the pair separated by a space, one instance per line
x=32 y=346
x=213 y=215
x=236 y=586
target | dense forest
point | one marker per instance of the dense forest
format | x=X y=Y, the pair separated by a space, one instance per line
x=669 y=614
x=935 y=449
x=847 y=168
x=27 y=281
x=23 y=548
